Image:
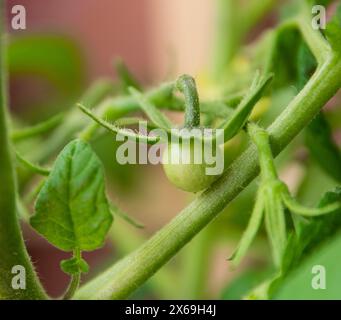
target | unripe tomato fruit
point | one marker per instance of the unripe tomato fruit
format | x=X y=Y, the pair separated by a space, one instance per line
x=190 y=177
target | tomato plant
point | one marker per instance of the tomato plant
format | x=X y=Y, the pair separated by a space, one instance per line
x=73 y=211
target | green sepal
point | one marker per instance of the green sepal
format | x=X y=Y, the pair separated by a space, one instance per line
x=117 y=130
x=250 y=232
x=240 y=116
x=297 y=208
x=275 y=219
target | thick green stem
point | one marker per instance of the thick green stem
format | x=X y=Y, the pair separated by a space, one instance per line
x=12 y=248
x=127 y=275
x=126 y=239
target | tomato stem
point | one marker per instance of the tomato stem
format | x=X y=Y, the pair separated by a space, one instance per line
x=12 y=247
x=186 y=85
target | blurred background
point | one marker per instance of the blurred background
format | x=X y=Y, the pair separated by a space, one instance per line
x=70 y=44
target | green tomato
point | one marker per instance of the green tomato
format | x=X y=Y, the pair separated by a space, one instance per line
x=188 y=176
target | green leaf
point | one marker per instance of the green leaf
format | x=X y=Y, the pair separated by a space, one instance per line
x=299 y=284
x=155 y=115
x=322 y=147
x=312 y=234
x=72 y=210
x=322 y=228
x=74 y=266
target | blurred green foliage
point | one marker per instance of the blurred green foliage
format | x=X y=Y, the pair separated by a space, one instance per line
x=53 y=57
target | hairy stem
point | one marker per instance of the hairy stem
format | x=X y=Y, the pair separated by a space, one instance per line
x=120 y=280
x=75 y=279
x=26 y=133
x=186 y=84
x=12 y=248
x=125 y=240
x=73 y=286
x=31 y=166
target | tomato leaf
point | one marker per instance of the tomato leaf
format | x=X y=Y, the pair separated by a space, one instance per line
x=72 y=210
x=322 y=263
x=312 y=234
x=322 y=147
